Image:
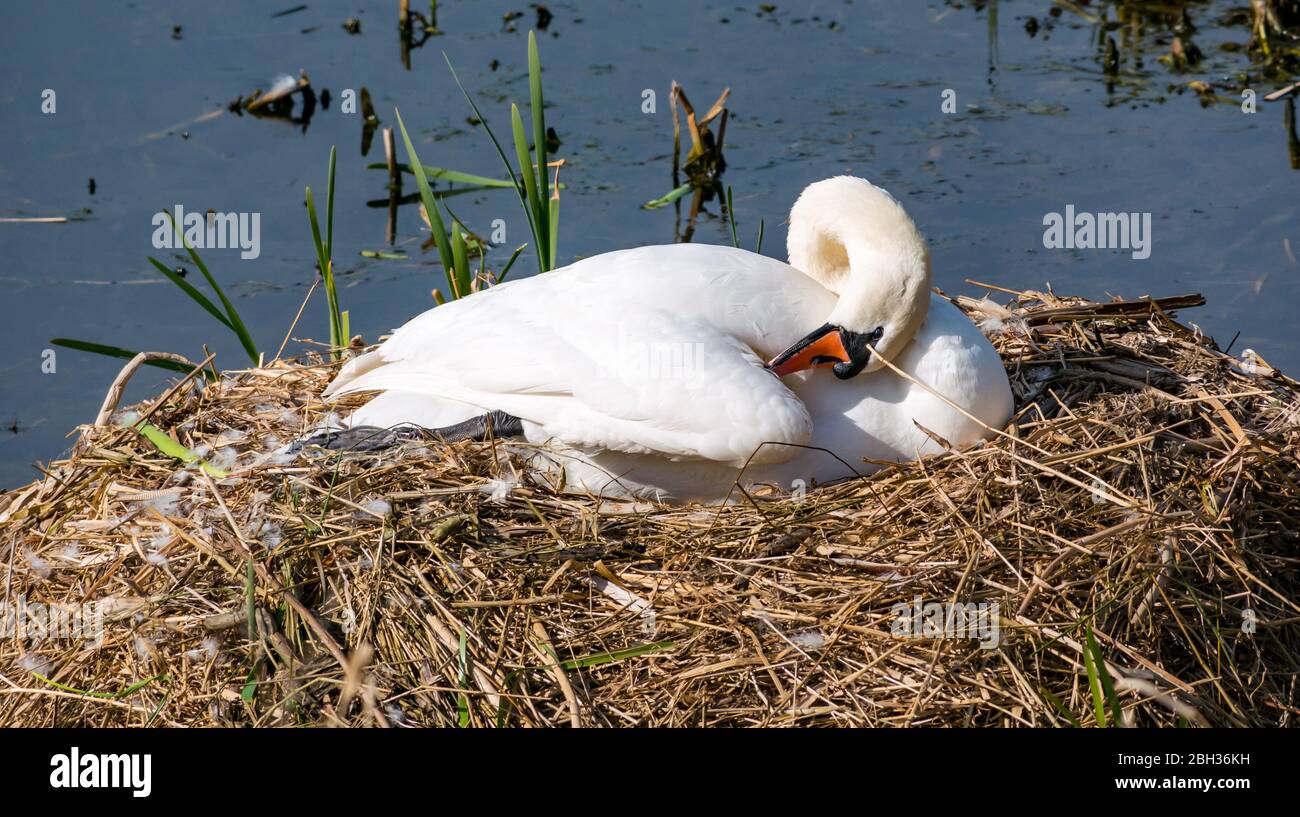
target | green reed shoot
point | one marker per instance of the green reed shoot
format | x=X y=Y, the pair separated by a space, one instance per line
x=338 y=319
x=1100 y=684
x=541 y=204
x=226 y=314
x=455 y=263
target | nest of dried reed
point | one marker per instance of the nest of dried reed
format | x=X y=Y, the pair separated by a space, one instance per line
x=1145 y=498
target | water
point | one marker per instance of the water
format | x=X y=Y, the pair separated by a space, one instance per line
x=832 y=87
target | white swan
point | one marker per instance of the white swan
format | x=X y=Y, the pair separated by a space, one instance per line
x=642 y=374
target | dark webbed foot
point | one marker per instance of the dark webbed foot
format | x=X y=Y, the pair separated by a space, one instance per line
x=364 y=438
x=374 y=438
x=493 y=424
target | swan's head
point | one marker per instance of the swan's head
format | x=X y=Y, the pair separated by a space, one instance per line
x=858 y=242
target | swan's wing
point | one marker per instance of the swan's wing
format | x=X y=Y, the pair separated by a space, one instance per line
x=592 y=371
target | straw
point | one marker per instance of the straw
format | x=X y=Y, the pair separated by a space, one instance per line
x=1135 y=524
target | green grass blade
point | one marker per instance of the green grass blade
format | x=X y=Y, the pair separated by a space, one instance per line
x=250 y=686
x=1107 y=683
x=436 y=225
x=1059 y=707
x=339 y=334
x=315 y=229
x=1094 y=681
x=596 y=659
x=336 y=317
x=759 y=249
x=519 y=188
x=501 y=276
x=731 y=217
x=536 y=222
x=514 y=180
x=188 y=288
x=504 y=707
x=554 y=217
x=446 y=175
x=124 y=354
x=250 y=600
x=241 y=331
x=326 y=266
x=329 y=207
x=538 y=109
x=461 y=259
x=173 y=449
x=664 y=201
x=107 y=696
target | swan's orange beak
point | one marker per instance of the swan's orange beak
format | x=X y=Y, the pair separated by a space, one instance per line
x=822 y=347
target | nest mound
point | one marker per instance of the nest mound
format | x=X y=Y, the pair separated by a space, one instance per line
x=1140 y=514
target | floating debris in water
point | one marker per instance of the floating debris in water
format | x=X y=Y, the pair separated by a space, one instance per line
x=278 y=101
x=1110 y=61
x=1183 y=55
x=281 y=85
x=704 y=161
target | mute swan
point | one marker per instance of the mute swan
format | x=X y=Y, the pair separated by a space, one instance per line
x=640 y=372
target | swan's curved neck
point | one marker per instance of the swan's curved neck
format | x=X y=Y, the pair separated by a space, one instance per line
x=821 y=253
x=857 y=241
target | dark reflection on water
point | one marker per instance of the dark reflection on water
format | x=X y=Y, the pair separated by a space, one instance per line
x=1048 y=113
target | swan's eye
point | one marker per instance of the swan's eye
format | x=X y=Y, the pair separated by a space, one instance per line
x=877 y=333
